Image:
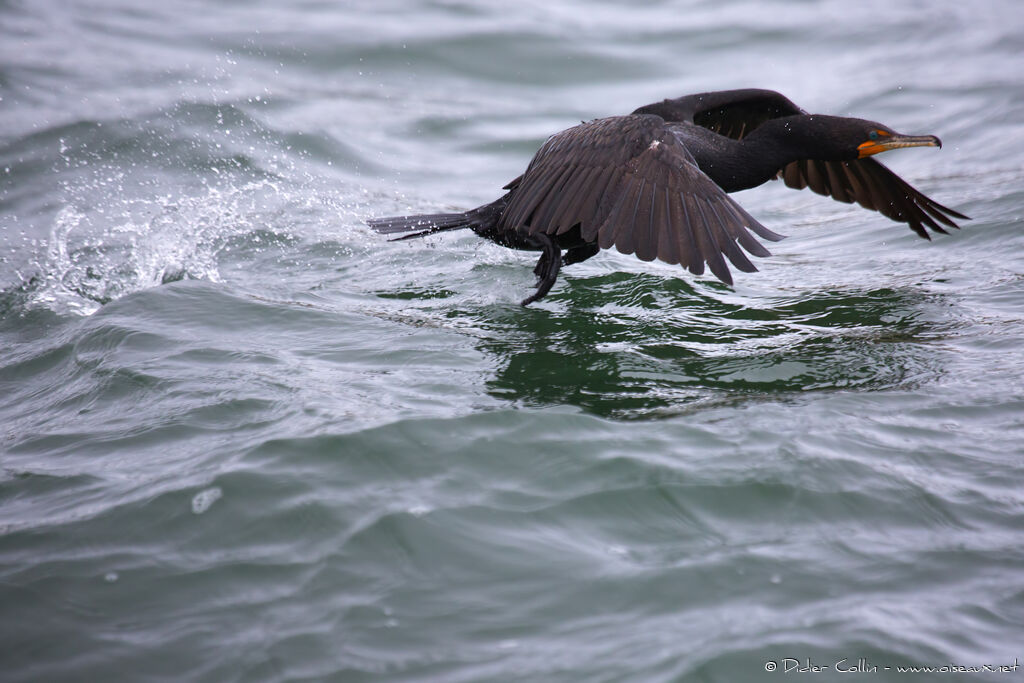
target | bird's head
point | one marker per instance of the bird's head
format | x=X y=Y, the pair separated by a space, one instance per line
x=841 y=139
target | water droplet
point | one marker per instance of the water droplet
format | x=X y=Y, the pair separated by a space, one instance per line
x=202 y=501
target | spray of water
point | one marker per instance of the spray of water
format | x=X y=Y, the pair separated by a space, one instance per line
x=144 y=243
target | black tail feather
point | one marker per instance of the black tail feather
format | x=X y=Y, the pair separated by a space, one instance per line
x=426 y=223
x=481 y=219
x=421 y=233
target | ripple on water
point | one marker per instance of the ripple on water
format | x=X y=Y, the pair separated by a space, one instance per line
x=244 y=438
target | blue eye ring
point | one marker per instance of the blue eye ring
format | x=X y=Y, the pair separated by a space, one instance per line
x=873 y=135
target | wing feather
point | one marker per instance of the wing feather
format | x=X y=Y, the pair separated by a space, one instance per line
x=663 y=222
x=531 y=191
x=540 y=221
x=872 y=185
x=606 y=233
x=707 y=243
x=684 y=246
x=644 y=230
x=566 y=213
x=733 y=113
x=625 y=230
x=727 y=235
x=696 y=262
x=629 y=182
x=597 y=199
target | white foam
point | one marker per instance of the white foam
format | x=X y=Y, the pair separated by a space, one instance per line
x=202 y=501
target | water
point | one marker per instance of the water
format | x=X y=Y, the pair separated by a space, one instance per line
x=243 y=438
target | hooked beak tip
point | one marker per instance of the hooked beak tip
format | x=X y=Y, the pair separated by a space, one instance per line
x=898 y=141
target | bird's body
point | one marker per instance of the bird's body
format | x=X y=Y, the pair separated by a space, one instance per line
x=654 y=183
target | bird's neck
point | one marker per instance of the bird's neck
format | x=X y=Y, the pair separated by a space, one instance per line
x=742 y=164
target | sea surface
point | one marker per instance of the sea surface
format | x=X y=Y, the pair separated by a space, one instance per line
x=244 y=438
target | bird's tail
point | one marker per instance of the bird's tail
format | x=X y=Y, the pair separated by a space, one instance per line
x=481 y=219
x=418 y=226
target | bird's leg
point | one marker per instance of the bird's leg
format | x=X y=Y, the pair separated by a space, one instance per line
x=540 y=268
x=546 y=269
x=579 y=254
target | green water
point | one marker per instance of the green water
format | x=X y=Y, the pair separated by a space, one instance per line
x=243 y=438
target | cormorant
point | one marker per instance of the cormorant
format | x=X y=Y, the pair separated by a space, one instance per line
x=654 y=183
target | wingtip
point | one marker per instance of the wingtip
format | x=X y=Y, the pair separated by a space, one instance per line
x=748 y=267
x=762 y=231
x=722 y=272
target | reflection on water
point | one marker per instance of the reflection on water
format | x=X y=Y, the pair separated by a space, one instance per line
x=632 y=349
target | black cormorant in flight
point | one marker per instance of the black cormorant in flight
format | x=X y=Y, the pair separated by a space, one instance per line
x=654 y=183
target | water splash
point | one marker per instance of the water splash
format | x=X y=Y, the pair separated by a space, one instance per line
x=94 y=258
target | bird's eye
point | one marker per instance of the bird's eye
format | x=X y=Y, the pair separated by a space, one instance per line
x=873 y=135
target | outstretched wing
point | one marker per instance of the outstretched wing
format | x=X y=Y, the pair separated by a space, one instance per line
x=627 y=181
x=872 y=185
x=734 y=113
